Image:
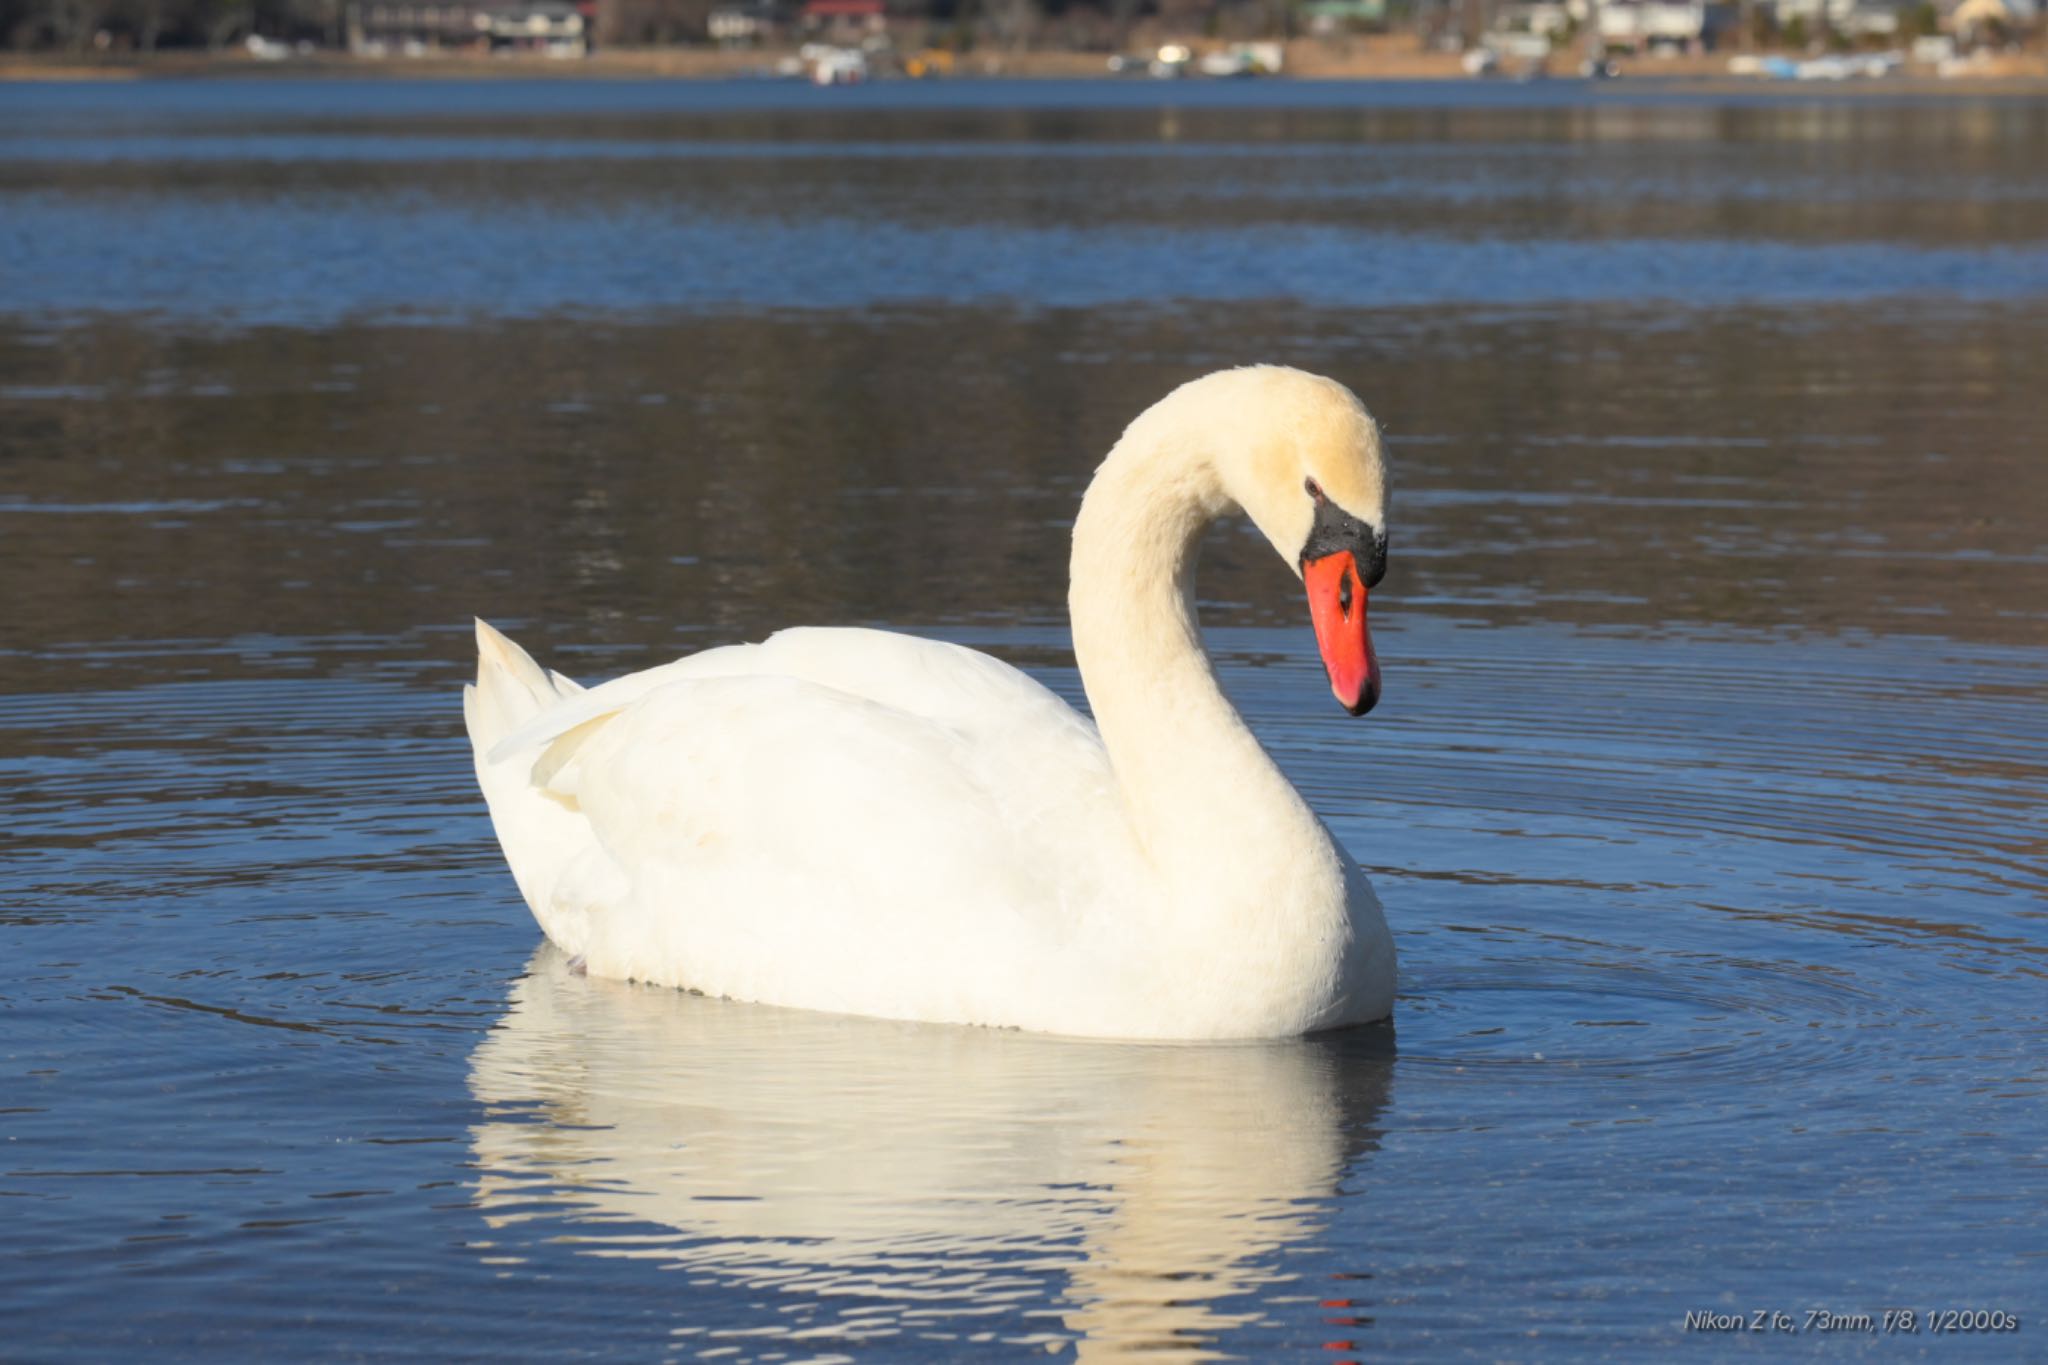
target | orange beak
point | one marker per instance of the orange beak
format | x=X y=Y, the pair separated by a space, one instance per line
x=1336 y=603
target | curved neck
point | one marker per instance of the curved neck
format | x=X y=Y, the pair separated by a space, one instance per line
x=1212 y=810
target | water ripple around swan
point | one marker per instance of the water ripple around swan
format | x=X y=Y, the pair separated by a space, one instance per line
x=1586 y=970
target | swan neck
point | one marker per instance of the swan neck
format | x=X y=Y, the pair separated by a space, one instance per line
x=1200 y=790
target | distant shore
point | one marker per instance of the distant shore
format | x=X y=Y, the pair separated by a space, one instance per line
x=1395 y=57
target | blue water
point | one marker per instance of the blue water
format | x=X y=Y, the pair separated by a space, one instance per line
x=1706 y=797
x=308 y=204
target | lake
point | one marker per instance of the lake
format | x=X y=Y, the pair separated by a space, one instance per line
x=1706 y=797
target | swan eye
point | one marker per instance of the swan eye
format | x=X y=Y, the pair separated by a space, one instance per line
x=1315 y=490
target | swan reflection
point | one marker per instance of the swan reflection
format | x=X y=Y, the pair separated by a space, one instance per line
x=917 y=1179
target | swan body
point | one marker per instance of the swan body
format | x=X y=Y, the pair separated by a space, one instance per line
x=871 y=823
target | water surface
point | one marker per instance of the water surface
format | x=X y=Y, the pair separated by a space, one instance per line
x=1705 y=799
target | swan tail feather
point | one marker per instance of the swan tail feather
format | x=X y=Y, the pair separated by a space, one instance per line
x=541 y=834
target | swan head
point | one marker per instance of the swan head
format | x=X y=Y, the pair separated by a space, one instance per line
x=1301 y=456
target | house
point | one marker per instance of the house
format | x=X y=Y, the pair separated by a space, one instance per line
x=411 y=27
x=1853 y=18
x=1683 y=25
x=1976 y=22
x=1543 y=18
x=419 y=27
x=745 y=25
x=1326 y=17
x=550 y=26
x=845 y=21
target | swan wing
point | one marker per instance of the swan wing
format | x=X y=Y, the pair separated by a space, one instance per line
x=933 y=678
x=838 y=819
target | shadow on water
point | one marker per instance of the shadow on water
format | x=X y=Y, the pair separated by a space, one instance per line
x=883 y=1179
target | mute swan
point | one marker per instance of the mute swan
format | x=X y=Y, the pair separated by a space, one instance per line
x=869 y=823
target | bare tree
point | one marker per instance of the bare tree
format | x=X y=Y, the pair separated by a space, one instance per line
x=72 y=23
x=221 y=20
x=1014 y=22
x=1123 y=17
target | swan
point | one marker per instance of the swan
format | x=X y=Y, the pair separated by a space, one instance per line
x=868 y=823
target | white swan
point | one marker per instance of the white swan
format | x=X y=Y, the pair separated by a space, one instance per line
x=870 y=823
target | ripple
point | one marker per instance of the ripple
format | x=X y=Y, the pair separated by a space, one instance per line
x=1740 y=1022
x=1785 y=764
x=459 y=264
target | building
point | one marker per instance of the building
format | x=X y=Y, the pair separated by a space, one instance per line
x=411 y=28
x=1327 y=17
x=1976 y=22
x=746 y=25
x=843 y=21
x=1680 y=25
x=554 y=27
x=1544 y=18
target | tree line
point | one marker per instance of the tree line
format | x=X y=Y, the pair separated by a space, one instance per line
x=80 y=26
x=150 y=25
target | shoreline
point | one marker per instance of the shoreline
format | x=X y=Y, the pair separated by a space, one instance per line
x=1358 y=59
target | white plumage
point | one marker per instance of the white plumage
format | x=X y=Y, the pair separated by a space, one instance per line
x=872 y=823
